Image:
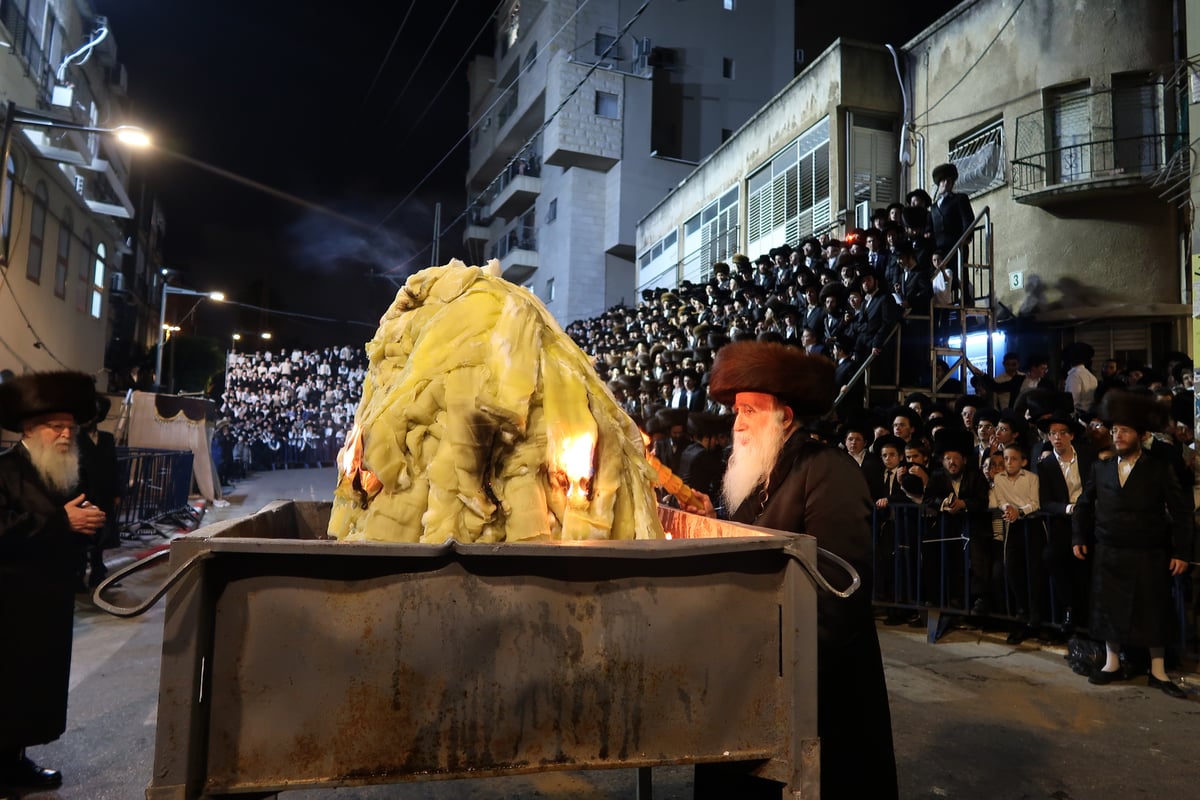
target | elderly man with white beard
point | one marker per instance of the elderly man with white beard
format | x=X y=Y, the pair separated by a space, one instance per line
x=781 y=476
x=44 y=522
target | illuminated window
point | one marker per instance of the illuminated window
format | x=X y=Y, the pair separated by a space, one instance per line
x=730 y=5
x=98 y=269
x=510 y=28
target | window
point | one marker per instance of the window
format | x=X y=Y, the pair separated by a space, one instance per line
x=550 y=291
x=726 y=134
x=62 y=264
x=37 y=232
x=530 y=57
x=607 y=106
x=83 y=284
x=727 y=68
x=979 y=156
x=1138 y=123
x=605 y=46
x=99 y=266
x=1069 y=120
x=788 y=198
x=873 y=156
x=710 y=236
x=8 y=199
x=552 y=210
x=658 y=265
x=729 y=5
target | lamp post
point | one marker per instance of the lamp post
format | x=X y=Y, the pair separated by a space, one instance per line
x=15 y=116
x=168 y=289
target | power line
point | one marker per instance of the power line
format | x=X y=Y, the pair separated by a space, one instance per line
x=413 y=72
x=495 y=103
x=388 y=54
x=453 y=71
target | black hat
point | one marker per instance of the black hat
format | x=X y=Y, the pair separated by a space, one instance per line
x=919 y=194
x=986 y=415
x=945 y=172
x=1077 y=353
x=954 y=440
x=859 y=424
x=1134 y=409
x=1060 y=418
x=39 y=393
x=904 y=411
x=888 y=440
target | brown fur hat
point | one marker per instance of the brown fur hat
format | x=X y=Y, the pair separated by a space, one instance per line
x=28 y=396
x=1134 y=409
x=803 y=382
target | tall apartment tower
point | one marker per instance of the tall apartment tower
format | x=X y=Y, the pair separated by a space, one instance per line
x=589 y=113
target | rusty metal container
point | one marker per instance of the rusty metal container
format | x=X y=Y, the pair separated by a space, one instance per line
x=291 y=661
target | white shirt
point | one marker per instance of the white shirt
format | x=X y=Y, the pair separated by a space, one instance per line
x=1020 y=492
x=1070 y=473
x=1125 y=466
x=1081 y=383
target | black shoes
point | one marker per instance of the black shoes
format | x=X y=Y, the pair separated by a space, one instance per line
x=24 y=774
x=1168 y=687
x=1102 y=678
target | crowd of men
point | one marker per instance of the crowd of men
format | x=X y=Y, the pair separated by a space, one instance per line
x=288 y=408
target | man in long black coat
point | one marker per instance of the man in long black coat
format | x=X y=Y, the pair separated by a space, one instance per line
x=780 y=476
x=1134 y=521
x=44 y=520
x=951 y=214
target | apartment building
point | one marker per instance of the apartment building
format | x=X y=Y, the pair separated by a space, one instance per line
x=1077 y=152
x=64 y=197
x=588 y=113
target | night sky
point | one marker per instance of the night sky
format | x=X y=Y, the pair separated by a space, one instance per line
x=302 y=98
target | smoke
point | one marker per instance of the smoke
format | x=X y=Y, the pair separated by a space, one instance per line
x=328 y=245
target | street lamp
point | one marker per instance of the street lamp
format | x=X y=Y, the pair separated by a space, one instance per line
x=162 y=318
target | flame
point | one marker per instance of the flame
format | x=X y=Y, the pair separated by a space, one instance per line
x=350 y=462
x=575 y=459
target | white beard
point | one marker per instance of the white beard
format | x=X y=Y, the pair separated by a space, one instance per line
x=58 y=470
x=753 y=458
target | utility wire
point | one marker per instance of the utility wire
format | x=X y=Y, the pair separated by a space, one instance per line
x=499 y=97
x=388 y=54
x=413 y=72
x=451 y=74
x=974 y=64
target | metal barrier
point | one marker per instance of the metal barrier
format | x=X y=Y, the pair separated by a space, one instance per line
x=154 y=487
x=928 y=561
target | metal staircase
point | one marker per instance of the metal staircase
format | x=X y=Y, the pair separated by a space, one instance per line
x=971 y=311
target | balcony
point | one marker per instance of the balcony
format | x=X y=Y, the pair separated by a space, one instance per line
x=517 y=251
x=516 y=188
x=477 y=228
x=1103 y=144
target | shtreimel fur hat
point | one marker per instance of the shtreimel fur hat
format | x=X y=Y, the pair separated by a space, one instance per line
x=1137 y=410
x=803 y=382
x=28 y=396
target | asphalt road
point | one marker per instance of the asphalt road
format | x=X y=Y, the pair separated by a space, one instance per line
x=973 y=718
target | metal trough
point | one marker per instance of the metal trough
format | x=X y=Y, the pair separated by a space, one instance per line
x=290 y=661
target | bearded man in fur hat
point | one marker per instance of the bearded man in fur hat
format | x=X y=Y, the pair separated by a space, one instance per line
x=781 y=476
x=1134 y=521
x=44 y=523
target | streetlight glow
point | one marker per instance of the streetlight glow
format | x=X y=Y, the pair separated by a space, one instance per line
x=131 y=135
x=217 y=296
x=266 y=334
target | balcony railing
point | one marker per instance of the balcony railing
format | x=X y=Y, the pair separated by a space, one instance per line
x=1107 y=140
x=522 y=237
x=1109 y=159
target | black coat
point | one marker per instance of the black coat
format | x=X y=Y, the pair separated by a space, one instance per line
x=1137 y=530
x=38 y=558
x=98 y=474
x=702 y=469
x=949 y=220
x=875 y=323
x=819 y=490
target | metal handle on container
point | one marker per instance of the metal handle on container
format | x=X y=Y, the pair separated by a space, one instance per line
x=140 y=564
x=814 y=571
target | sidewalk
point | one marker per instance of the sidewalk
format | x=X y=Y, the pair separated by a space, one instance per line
x=246 y=497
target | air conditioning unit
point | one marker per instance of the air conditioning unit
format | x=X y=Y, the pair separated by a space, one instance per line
x=641 y=53
x=116 y=283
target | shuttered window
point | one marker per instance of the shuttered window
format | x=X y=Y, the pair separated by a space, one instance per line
x=788 y=198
